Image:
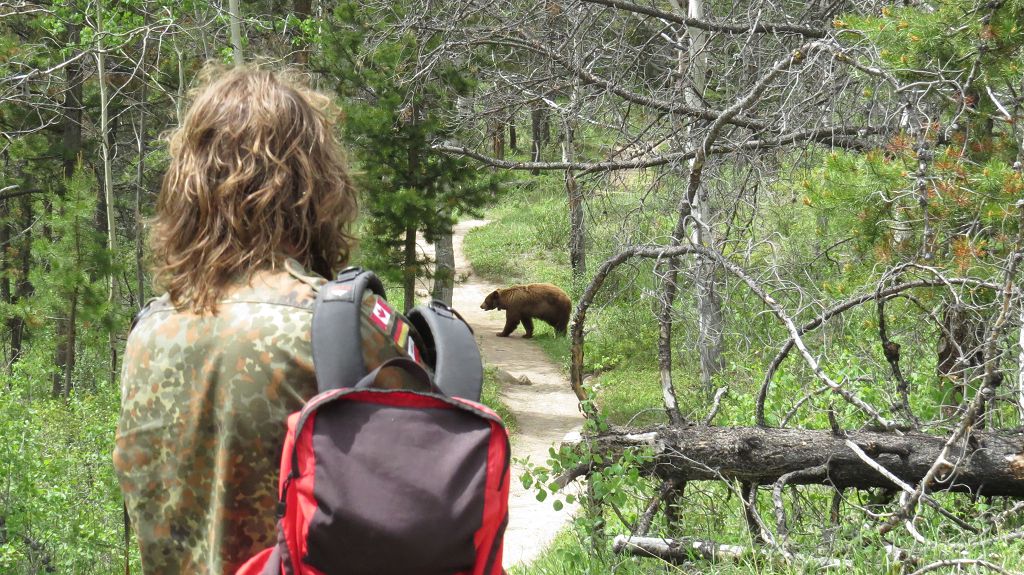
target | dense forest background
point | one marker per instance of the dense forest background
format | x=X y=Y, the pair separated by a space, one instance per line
x=774 y=218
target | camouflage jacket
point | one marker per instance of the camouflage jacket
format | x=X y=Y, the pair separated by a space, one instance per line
x=203 y=411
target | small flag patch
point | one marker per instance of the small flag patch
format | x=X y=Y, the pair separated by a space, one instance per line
x=413 y=352
x=401 y=332
x=381 y=315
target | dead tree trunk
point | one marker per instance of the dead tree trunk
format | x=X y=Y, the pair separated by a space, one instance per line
x=577 y=231
x=959 y=352
x=993 y=465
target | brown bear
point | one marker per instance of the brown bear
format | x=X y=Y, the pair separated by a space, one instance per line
x=522 y=303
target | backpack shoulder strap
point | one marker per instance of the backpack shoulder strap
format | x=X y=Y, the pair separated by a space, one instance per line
x=450 y=348
x=337 y=348
x=144 y=311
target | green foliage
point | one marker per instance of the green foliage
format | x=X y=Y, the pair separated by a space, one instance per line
x=59 y=497
x=391 y=125
x=491 y=397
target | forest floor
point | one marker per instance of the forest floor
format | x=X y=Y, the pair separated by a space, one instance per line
x=545 y=410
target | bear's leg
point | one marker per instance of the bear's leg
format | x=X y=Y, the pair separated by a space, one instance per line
x=511 y=323
x=528 y=326
x=561 y=327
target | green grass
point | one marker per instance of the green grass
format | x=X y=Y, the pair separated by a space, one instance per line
x=526 y=242
x=491 y=397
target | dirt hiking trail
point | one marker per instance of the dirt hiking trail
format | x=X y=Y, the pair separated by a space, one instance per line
x=546 y=410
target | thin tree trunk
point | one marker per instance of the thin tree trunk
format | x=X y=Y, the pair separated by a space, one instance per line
x=709 y=305
x=1020 y=367
x=665 y=316
x=444 y=268
x=6 y=295
x=498 y=139
x=69 y=360
x=577 y=243
x=409 y=271
x=512 y=143
x=236 y=31
x=179 y=102
x=23 y=287
x=140 y=186
x=108 y=181
x=959 y=352
x=538 y=121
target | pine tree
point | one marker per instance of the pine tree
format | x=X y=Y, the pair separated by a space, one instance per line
x=391 y=124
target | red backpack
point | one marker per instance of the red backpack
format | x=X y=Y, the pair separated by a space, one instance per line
x=381 y=482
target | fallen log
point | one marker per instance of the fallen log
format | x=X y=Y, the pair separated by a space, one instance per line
x=992 y=462
x=683 y=550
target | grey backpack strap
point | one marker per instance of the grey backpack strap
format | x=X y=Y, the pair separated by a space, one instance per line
x=337 y=340
x=140 y=315
x=451 y=348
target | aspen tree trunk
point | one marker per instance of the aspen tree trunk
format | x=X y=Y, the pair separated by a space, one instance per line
x=236 y=31
x=108 y=178
x=140 y=186
x=179 y=102
x=410 y=271
x=709 y=305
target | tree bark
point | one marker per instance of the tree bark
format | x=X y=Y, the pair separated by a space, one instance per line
x=108 y=189
x=409 y=270
x=444 y=268
x=498 y=139
x=6 y=294
x=512 y=142
x=23 y=287
x=710 y=319
x=140 y=186
x=577 y=230
x=994 y=464
x=959 y=350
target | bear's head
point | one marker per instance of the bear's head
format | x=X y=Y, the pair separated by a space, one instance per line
x=492 y=301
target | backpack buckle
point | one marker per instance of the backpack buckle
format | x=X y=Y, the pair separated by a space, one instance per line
x=348 y=274
x=441 y=308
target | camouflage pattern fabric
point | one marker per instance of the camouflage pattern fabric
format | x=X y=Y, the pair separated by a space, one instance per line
x=204 y=405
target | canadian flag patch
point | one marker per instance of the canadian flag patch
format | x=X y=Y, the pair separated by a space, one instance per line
x=381 y=316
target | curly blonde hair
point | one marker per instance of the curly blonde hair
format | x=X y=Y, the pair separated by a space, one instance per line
x=256 y=175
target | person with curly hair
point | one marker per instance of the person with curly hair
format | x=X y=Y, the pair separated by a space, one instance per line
x=254 y=214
